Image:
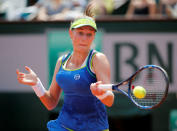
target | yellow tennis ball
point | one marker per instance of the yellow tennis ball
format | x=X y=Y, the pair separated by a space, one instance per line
x=139 y=92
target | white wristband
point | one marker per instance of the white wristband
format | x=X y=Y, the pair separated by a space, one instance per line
x=107 y=93
x=39 y=88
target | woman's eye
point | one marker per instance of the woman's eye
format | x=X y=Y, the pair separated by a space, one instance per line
x=89 y=34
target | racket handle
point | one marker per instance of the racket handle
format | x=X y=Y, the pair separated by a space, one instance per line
x=105 y=86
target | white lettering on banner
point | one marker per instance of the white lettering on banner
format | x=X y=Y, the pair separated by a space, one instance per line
x=127 y=52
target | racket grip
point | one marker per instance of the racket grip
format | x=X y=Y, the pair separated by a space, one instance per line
x=105 y=86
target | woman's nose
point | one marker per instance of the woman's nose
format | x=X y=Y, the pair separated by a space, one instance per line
x=84 y=37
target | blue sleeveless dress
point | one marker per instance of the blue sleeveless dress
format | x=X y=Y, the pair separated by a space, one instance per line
x=81 y=110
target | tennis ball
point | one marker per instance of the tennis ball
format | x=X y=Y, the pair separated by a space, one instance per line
x=139 y=92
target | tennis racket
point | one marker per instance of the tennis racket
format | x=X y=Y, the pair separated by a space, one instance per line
x=152 y=78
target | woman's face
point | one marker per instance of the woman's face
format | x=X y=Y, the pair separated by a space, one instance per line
x=82 y=38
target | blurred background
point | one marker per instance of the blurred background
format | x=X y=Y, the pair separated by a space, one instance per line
x=132 y=33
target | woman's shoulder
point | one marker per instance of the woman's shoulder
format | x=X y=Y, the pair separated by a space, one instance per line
x=62 y=58
x=100 y=62
x=99 y=56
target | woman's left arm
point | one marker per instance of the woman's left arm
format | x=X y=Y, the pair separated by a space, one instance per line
x=101 y=67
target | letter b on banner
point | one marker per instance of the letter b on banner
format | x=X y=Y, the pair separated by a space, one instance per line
x=121 y=50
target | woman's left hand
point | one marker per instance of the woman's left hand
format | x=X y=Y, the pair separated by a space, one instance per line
x=105 y=96
x=95 y=90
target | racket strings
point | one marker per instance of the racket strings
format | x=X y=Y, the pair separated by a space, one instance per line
x=153 y=81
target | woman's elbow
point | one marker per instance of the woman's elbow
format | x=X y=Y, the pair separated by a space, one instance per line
x=50 y=107
x=109 y=100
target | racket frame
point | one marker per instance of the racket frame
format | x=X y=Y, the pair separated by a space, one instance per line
x=129 y=81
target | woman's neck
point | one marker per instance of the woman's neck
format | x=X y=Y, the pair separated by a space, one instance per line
x=78 y=58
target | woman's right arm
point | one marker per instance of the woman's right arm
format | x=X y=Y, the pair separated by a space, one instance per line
x=52 y=96
x=49 y=97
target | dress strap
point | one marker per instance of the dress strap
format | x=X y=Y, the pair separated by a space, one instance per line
x=89 y=62
x=65 y=57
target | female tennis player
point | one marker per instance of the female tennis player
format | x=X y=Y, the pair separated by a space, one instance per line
x=78 y=74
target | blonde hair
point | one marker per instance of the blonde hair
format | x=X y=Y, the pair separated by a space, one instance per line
x=88 y=12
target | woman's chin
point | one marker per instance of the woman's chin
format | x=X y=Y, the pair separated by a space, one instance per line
x=83 y=48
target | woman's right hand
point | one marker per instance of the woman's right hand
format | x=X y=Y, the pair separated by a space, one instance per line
x=27 y=78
